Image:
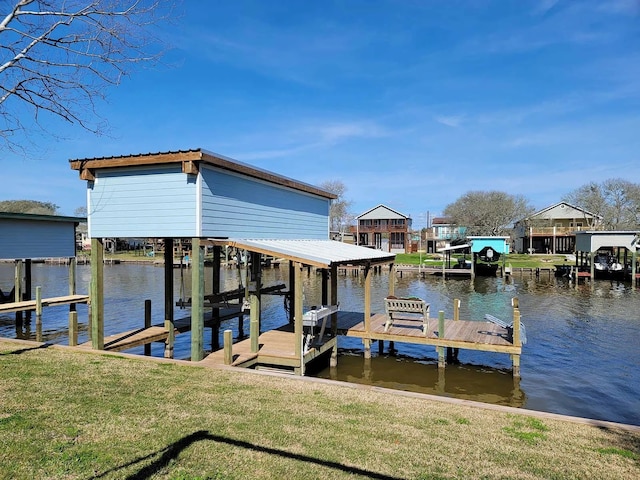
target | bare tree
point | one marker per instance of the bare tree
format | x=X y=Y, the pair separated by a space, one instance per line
x=616 y=200
x=57 y=57
x=488 y=213
x=338 y=214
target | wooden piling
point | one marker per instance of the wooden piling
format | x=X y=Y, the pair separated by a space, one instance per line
x=228 y=347
x=73 y=328
x=38 y=313
x=254 y=330
x=441 y=358
x=147 y=323
x=97 y=293
x=169 y=324
x=197 y=300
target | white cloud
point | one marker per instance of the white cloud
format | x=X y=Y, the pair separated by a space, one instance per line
x=450 y=120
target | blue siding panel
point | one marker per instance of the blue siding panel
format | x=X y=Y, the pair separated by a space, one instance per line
x=36 y=239
x=153 y=202
x=243 y=207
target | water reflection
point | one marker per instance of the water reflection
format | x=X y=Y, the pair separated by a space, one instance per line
x=582 y=356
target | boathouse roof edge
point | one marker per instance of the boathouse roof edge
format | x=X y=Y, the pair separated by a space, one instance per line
x=317 y=253
x=190 y=160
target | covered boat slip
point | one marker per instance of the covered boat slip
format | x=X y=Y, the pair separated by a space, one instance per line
x=590 y=242
x=295 y=344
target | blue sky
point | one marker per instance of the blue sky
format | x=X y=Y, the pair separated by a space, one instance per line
x=409 y=103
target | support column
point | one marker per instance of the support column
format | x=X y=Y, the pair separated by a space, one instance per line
x=26 y=294
x=297 y=329
x=367 y=311
x=169 y=324
x=197 y=300
x=73 y=314
x=517 y=342
x=292 y=292
x=441 y=358
x=97 y=293
x=592 y=257
x=17 y=284
x=392 y=279
x=333 y=361
x=254 y=322
x=215 y=287
x=325 y=287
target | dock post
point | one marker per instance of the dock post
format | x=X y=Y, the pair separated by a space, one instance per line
x=441 y=358
x=297 y=327
x=228 y=347
x=516 y=339
x=634 y=265
x=73 y=328
x=254 y=322
x=169 y=324
x=17 y=283
x=38 y=314
x=197 y=300
x=456 y=309
x=333 y=361
x=147 y=324
x=73 y=314
x=97 y=294
x=367 y=311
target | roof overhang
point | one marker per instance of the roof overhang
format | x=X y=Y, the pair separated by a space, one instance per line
x=317 y=253
x=190 y=161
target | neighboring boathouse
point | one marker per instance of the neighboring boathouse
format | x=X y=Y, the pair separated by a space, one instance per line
x=25 y=238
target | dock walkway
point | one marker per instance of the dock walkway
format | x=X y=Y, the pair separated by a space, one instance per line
x=31 y=305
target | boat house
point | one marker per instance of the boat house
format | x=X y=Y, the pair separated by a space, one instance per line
x=25 y=238
x=215 y=201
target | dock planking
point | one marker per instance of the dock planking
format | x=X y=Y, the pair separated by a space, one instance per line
x=466 y=334
x=29 y=305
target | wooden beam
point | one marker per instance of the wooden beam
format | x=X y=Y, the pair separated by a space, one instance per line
x=97 y=294
x=168 y=298
x=190 y=167
x=197 y=300
x=297 y=330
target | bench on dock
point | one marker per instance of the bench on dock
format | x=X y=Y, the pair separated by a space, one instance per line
x=406 y=309
x=509 y=327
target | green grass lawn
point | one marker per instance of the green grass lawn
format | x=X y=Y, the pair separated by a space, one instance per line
x=516 y=260
x=70 y=414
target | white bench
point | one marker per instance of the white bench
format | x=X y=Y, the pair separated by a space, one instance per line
x=406 y=309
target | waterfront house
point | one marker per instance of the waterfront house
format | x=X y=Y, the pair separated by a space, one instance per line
x=441 y=233
x=384 y=229
x=553 y=229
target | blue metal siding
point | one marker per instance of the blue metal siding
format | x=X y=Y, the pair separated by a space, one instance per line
x=500 y=245
x=243 y=207
x=36 y=239
x=157 y=201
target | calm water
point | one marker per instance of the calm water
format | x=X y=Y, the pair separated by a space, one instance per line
x=582 y=357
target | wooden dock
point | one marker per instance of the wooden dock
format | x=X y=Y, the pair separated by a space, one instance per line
x=465 y=334
x=31 y=305
x=276 y=349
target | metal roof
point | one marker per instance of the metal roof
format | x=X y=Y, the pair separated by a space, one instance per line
x=41 y=217
x=318 y=253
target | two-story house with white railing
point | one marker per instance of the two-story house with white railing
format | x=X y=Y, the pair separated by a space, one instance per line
x=552 y=229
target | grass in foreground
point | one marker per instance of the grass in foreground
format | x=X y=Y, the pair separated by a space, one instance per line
x=70 y=414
